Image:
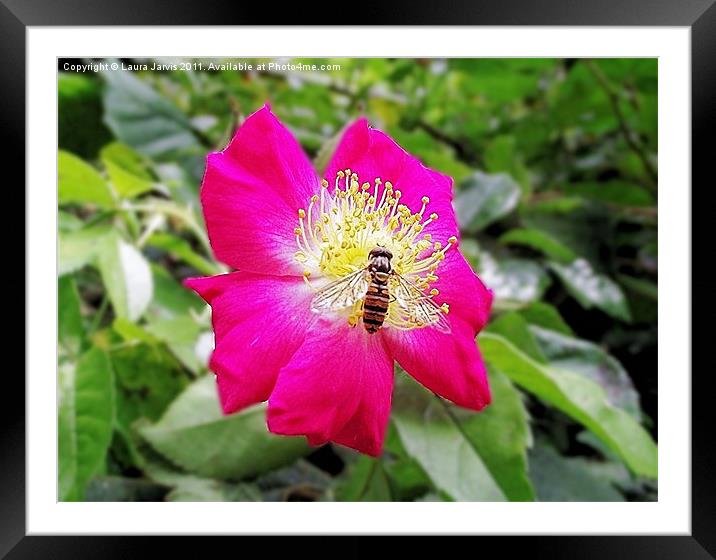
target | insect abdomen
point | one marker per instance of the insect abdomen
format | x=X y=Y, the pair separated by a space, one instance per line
x=375 y=305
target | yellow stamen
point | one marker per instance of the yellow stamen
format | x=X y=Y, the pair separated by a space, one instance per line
x=338 y=229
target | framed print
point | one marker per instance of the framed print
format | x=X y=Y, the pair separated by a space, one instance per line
x=421 y=279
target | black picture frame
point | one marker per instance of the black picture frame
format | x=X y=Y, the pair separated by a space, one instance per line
x=699 y=15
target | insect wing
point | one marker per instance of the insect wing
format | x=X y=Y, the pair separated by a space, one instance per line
x=414 y=305
x=341 y=293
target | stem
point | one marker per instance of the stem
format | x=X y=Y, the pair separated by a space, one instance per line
x=154 y=224
x=183 y=215
x=99 y=314
x=99 y=218
x=629 y=137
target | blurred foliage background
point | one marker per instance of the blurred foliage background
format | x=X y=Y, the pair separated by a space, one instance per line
x=554 y=163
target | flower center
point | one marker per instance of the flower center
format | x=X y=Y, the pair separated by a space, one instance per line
x=336 y=232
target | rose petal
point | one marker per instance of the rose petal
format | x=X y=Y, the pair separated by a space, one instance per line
x=371 y=153
x=447 y=364
x=259 y=322
x=251 y=194
x=337 y=387
x=463 y=291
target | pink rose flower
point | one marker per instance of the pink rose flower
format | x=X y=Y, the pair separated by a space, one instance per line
x=288 y=233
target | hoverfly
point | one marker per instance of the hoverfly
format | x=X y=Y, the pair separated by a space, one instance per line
x=378 y=285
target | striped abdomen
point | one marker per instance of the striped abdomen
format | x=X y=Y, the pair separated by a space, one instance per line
x=375 y=305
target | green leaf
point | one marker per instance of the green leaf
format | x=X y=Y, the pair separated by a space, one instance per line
x=641 y=287
x=195 y=489
x=545 y=315
x=539 y=241
x=484 y=199
x=515 y=282
x=170 y=297
x=191 y=488
x=86 y=416
x=612 y=192
x=67 y=221
x=366 y=482
x=581 y=102
x=588 y=438
x=448 y=458
x=181 y=329
x=148 y=379
x=78 y=248
x=78 y=182
x=574 y=222
x=468 y=456
x=432 y=153
x=125 y=157
x=572 y=354
x=501 y=156
x=143 y=119
x=179 y=248
x=591 y=289
x=70 y=327
x=642 y=295
x=558 y=479
x=181 y=335
x=501 y=81
x=126 y=276
x=581 y=356
x=501 y=435
x=79 y=114
x=578 y=397
x=194 y=435
x=131 y=332
x=514 y=328
x=474 y=254
x=300 y=481
x=408 y=480
x=126 y=170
